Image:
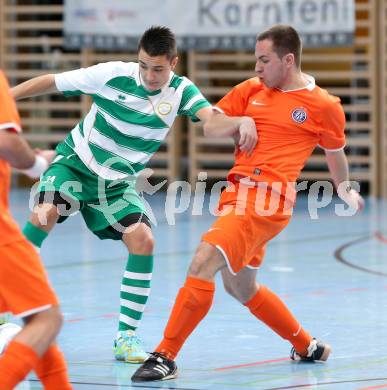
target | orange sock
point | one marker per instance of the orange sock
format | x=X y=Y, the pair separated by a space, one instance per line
x=52 y=370
x=268 y=307
x=192 y=304
x=17 y=361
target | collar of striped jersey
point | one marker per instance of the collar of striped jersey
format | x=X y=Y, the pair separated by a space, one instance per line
x=157 y=91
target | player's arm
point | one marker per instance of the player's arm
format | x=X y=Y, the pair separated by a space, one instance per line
x=204 y=114
x=37 y=86
x=15 y=149
x=339 y=170
x=332 y=140
x=242 y=129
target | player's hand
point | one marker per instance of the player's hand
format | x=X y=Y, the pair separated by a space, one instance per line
x=248 y=135
x=48 y=155
x=353 y=199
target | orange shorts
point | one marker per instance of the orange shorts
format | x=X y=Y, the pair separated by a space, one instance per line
x=24 y=286
x=249 y=218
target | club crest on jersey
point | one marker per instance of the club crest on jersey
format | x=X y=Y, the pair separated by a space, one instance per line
x=299 y=115
x=164 y=108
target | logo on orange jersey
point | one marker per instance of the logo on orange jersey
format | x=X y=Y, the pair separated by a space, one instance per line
x=258 y=103
x=299 y=115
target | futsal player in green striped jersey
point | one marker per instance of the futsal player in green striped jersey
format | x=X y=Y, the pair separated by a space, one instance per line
x=134 y=106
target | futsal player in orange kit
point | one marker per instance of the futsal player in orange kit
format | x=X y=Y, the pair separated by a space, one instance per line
x=277 y=118
x=24 y=288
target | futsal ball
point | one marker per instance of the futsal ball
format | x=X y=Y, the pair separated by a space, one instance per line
x=7 y=332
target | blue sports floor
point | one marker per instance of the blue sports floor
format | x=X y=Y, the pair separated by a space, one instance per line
x=331 y=271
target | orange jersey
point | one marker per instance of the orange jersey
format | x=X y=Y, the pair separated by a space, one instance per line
x=290 y=125
x=9 y=120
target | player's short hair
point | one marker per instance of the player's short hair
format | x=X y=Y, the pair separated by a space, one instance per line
x=158 y=41
x=285 y=40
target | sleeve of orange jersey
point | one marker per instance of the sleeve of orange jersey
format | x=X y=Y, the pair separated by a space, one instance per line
x=9 y=117
x=235 y=102
x=333 y=137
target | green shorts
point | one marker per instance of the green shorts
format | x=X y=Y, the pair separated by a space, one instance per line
x=102 y=203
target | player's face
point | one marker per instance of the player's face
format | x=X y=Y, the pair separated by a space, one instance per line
x=155 y=71
x=270 y=68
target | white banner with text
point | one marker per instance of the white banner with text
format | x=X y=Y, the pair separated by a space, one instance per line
x=206 y=24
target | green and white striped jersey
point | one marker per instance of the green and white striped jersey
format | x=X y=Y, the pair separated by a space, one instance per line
x=126 y=123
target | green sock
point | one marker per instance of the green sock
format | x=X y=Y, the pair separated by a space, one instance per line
x=34 y=234
x=135 y=290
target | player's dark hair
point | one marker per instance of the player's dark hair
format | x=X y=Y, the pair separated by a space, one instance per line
x=158 y=41
x=285 y=40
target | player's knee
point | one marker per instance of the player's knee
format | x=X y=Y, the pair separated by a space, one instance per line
x=56 y=320
x=55 y=317
x=197 y=267
x=228 y=286
x=241 y=289
x=243 y=293
x=51 y=320
x=234 y=290
x=139 y=242
x=205 y=263
x=147 y=242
